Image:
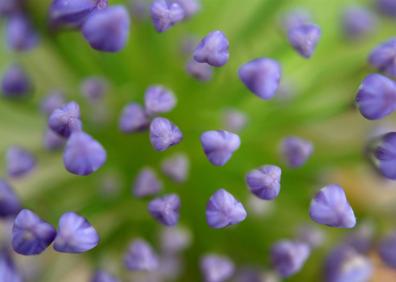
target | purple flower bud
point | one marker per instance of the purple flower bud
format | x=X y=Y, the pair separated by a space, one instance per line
x=133 y=119
x=213 y=49
x=175 y=240
x=264 y=182
x=30 y=234
x=219 y=146
x=382 y=155
x=19 y=162
x=190 y=7
x=83 y=155
x=75 y=234
x=176 y=167
x=234 y=120
x=387 y=7
x=73 y=13
x=20 y=34
x=199 y=71
x=55 y=99
x=311 y=235
x=107 y=30
x=304 y=38
x=9 y=202
x=52 y=141
x=139 y=9
x=362 y=239
x=217 y=268
x=345 y=265
x=158 y=99
x=261 y=76
x=331 y=207
x=165 y=209
x=15 y=82
x=295 y=18
x=165 y=14
x=383 y=57
x=9 y=7
x=66 y=120
x=94 y=88
x=376 y=97
x=140 y=257
x=358 y=22
x=8 y=269
x=288 y=257
x=387 y=250
x=164 y=134
x=296 y=151
x=103 y=276
x=223 y=210
x=146 y=183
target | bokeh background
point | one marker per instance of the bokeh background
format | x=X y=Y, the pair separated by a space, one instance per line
x=317 y=103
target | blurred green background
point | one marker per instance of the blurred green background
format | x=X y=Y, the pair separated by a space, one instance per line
x=320 y=110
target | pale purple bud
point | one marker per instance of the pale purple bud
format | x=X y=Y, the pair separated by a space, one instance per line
x=219 y=146
x=103 y=276
x=234 y=120
x=66 y=120
x=264 y=182
x=75 y=234
x=190 y=7
x=382 y=154
x=20 y=34
x=19 y=162
x=133 y=119
x=331 y=207
x=383 y=57
x=288 y=257
x=8 y=269
x=141 y=257
x=176 y=167
x=358 y=22
x=55 y=99
x=83 y=155
x=164 y=134
x=295 y=18
x=199 y=71
x=53 y=141
x=15 y=82
x=362 y=239
x=261 y=76
x=140 y=9
x=10 y=7
x=164 y=14
x=9 y=202
x=387 y=250
x=223 y=210
x=213 y=49
x=146 y=183
x=310 y=235
x=387 y=7
x=175 y=239
x=94 y=88
x=165 y=209
x=30 y=234
x=304 y=38
x=107 y=30
x=158 y=99
x=296 y=151
x=217 y=268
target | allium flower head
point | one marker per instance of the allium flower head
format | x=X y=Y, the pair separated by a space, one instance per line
x=296 y=151
x=83 y=155
x=261 y=76
x=199 y=71
x=30 y=234
x=376 y=97
x=20 y=34
x=75 y=234
x=19 y=162
x=133 y=119
x=141 y=257
x=331 y=207
x=264 y=182
x=164 y=134
x=358 y=22
x=9 y=202
x=223 y=210
x=15 y=82
x=344 y=264
x=213 y=49
x=66 y=120
x=382 y=152
x=73 y=13
x=94 y=88
x=219 y=146
x=190 y=7
x=383 y=57
x=103 y=276
x=55 y=99
x=165 y=14
x=165 y=209
x=53 y=141
x=288 y=257
x=217 y=268
x=107 y=30
x=304 y=38
x=387 y=250
x=175 y=240
x=158 y=99
x=146 y=183
x=176 y=167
